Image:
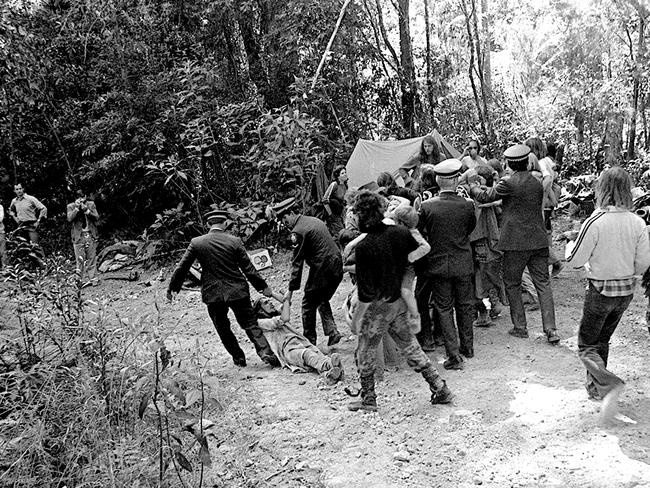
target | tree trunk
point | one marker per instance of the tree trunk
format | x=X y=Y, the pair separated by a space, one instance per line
x=579 y=122
x=409 y=89
x=640 y=57
x=613 y=138
x=470 y=43
x=430 y=94
x=487 y=48
x=237 y=51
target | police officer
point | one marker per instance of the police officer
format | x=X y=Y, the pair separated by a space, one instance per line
x=523 y=239
x=312 y=243
x=225 y=269
x=446 y=273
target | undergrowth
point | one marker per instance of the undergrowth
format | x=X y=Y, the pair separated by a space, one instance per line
x=90 y=398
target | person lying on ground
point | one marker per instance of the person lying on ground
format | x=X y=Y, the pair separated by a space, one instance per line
x=292 y=348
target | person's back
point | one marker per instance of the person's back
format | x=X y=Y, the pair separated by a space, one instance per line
x=446 y=221
x=522 y=221
x=319 y=248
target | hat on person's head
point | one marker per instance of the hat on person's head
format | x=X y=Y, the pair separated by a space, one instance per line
x=449 y=168
x=372 y=186
x=215 y=214
x=517 y=153
x=279 y=209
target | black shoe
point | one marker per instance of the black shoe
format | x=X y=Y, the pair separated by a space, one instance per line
x=442 y=396
x=454 y=363
x=334 y=339
x=428 y=347
x=468 y=353
x=518 y=332
x=552 y=337
x=271 y=360
x=366 y=406
x=241 y=362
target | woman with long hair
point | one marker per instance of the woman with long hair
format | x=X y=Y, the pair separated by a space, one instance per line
x=334 y=200
x=613 y=246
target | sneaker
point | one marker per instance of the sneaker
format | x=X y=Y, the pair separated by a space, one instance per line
x=366 y=406
x=334 y=339
x=482 y=321
x=552 y=337
x=610 y=404
x=518 y=332
x=241 y=362
x=428 y=347
x=334 y=375
x=442 y=396
x=454 y=363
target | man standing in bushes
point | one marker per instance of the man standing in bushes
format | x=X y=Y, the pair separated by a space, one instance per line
x=225 y=269
x=82 y=214
x=27 y=211
x=312 y=243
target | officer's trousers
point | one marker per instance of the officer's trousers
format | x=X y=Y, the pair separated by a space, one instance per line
x=319 y=299
x=245 y=316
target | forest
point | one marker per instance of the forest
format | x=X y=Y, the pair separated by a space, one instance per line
x=162 y=108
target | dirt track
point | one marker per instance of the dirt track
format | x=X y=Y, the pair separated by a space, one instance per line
x=521 y=416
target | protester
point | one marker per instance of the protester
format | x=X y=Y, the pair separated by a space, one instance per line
x=471 y=155
x=445 y=274
x=386 y=181
x=523 y=239
x=410 y=183
x=3 y=241
x=312 y=244
x=613 y=247
x=551 y=197
x=225 y=269
x=27 y=211
x=292 y=348
x=487 y=258
x=82 y=214
x=334 y=200
x=381 y=258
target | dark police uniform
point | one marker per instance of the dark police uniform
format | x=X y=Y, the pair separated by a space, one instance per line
x=313 y=244
x=445 y=274
x=522 y=241
x=225 y=269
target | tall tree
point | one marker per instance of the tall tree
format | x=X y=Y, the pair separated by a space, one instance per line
x=407 y=78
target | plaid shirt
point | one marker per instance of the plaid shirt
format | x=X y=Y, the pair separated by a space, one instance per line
x=615 y=288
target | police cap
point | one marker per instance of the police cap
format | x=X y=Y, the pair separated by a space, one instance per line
x=517 y=153
x=449 y=168
x=284 y=206
x=215 y=215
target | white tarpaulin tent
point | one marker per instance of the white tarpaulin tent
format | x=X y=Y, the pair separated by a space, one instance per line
x=370 y=158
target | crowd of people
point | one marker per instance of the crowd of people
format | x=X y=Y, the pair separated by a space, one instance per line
x=432 y=254
x=430 y=259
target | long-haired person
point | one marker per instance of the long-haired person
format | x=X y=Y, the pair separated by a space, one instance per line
x=334 y=200
x=613 y=247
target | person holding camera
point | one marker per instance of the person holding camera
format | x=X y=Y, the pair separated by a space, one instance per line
x=82 y=214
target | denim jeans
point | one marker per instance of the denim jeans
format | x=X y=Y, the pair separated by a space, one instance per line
x=514 y=263
x=600 y=317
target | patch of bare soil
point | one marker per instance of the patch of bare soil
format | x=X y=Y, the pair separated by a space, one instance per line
x=521 y=416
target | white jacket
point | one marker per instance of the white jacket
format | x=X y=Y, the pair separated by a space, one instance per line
x=612 y=244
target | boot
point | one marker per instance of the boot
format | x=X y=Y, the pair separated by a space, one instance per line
x=368 y=401
x=483 y=319
x=497 y=308
x=440 y=392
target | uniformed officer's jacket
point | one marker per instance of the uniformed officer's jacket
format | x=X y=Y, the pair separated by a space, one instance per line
x=446 y=222
x=522 y=222
x=225 y=266
x=313 y=244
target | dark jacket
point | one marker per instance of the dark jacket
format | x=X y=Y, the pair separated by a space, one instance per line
x=313 y=244
x=446 y=222
x=225 y=266
x=522 y=222
x=80 y=220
